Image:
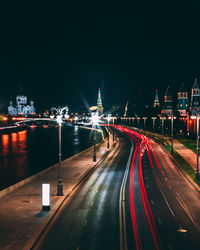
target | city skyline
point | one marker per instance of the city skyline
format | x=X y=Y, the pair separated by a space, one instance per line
x=61 y=55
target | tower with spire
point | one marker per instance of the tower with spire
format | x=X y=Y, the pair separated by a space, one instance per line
x=167 y=105
x=99 y=103
x=195 y=96
x=126 y=109
x=183 y=103
x=156 y=100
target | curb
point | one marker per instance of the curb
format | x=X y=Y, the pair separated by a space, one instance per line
x=32 y=243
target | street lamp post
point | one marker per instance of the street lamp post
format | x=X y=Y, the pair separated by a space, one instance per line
x=60 y=112
x=108 y=119
x=144 y=118
x=172 y=117
x=95 y=121
x=163 y=119
x=138 y=119
x=197 y=176
x=153 y=118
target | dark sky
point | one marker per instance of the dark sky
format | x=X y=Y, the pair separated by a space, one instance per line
x=60 y=52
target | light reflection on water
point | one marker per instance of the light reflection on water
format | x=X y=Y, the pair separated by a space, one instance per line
x=27 y=152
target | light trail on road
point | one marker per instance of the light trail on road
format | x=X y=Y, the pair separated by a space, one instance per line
x=166 y=179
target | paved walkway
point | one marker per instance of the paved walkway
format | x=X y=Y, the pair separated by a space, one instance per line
x=185 y=152
x=21 y=216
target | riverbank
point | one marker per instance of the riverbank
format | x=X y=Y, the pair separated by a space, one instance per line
x=21 y=215
x=25 y=153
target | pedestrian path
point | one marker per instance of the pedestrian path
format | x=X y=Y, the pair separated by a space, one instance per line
x=188 y=155
x=21 y=216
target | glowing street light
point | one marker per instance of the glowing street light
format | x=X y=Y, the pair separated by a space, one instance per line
x=172 y=117
x=196 y=116
x=163 y=119
x=144 y=118
x=95 y=120
x=108 y=119
x=153 y=118
x=60 y=113
x=138 y=119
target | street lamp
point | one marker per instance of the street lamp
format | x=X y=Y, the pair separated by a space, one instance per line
x=95 y=121
x=153 y=118
x=60 y=113
x=108 y=119
x=196 y=116
x=172 y=117
x=163 y=119
x=138 y=119
x=144 y=118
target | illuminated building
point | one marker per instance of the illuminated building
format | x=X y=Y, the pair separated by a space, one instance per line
x=21 y=106
x=183 y=102
x=156 y=100
x=195 y=97
x=99 y=104
x=167 y=108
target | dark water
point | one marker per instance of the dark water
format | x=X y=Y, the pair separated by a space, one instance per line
x=27 y=152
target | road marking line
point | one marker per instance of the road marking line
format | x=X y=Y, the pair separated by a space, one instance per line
x=170 y=247
x=159 y=220
x=152 y=202
x=185 y=209
x=167 y=202
x=122 y=215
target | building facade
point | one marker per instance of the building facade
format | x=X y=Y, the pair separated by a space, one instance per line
x=21 y=106
x=183 y=102
x=99 y=103
x=167 y=108
x=156 y=100
x=195 y=97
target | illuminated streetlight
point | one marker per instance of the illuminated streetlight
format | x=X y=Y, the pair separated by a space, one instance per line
x=60 y=113
x=138 y=119
x=108 y=119
x=144 y=118
x=196 y=116
x=95 y=121
x=153 y=118
x=163 y=119
x=172 y=117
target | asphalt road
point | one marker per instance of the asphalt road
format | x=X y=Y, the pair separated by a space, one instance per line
x=136 y=200
x=90 y=219
x=166 y=207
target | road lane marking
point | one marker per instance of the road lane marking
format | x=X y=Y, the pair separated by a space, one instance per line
x=122 y=215
x=181 y=202
x=166 y=202
x=181 y=230
x=170 y=247
x=159 y=221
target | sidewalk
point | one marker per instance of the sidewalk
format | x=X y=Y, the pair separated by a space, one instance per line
x=21 y=217
x=188 y=155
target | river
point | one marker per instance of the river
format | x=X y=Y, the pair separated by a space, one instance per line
x=27 y=152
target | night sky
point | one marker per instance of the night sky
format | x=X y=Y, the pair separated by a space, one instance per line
x=59 y=54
